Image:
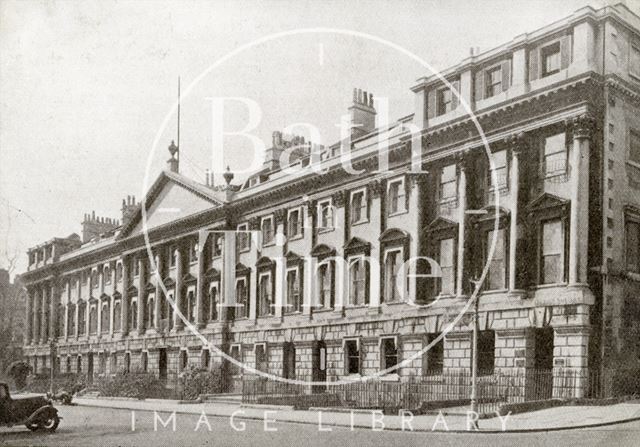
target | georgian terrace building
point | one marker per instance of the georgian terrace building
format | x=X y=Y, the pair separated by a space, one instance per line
x=559 y=108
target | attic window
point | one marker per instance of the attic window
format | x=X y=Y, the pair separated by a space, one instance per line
x=550 y=59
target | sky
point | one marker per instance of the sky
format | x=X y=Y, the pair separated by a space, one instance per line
x=88 y=87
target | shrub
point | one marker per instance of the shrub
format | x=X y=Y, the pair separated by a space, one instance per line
x=70 y=382
x=19 y=371
x=139 y=385
x=197 y=381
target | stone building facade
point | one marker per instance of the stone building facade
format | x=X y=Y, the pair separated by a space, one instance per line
x=312 y=284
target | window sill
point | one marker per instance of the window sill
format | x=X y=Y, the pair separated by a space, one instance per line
x=398 y=213
x=549 y=286
x=296 y=237
x=271 y=243
x=494 y=292
x=325 y=230
x=360 y=222
x=322 y=309
x=356 y=306
x=353 y=377
x=244 y=250
x=394 y=302
x=392 y=377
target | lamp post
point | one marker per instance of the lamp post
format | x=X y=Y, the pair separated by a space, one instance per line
x=474 y=342
x=52 y=353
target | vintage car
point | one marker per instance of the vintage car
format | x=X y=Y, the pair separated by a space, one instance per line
x=34 y=412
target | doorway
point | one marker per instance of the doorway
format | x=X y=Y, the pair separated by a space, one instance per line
x=90 y=368
x=162 y=364
x=319 y=365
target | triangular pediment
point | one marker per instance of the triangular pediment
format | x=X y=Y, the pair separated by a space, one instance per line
x=322 y=251
x=441 y=223
x=172 y=197
x=545 y=201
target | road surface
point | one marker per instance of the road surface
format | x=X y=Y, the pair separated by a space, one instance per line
x=87 y=426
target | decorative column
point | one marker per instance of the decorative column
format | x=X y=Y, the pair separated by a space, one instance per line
x=43 y=318
x=280 y=217
x=309 y=213
x=78 y=300
x=375 y=190
x=114 y=287
x=514 y=185
x=462 y=209
x=202 y=241
x=158 y=295
x=35 y=326
x=339 y=201
x=65 y=306
x=142 y=293
x=124 y=310
x=28 y=321
x=178 y=324
x=228 y=278
x=579 y=220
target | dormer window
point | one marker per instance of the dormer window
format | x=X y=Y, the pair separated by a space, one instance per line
x=550 y=59
x=444 y=98
x=494 y=81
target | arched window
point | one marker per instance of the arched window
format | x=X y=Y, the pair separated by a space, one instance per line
x=150 y=311
x=104 y=316
x=133 y=314
x=117 y=316
x=71 y=319
x=93 y=319
x=264 y=295
x=357 y=282
x=82 y=315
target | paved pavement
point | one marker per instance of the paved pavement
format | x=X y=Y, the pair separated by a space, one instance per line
x=545 y=420
x=95 y=426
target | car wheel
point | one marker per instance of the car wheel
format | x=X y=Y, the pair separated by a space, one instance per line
x=50 y=424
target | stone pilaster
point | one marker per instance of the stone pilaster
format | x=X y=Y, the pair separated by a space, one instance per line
x=28 y=321
x=462 y=209
x=579 y=221
x=142 y=293
x=517 y=145
x=200 y=317
x=178 y=324
x=124 y=313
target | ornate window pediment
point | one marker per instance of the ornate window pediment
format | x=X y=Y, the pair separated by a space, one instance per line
x=265 y=263
x=169 y=282
x=189 y=278
x=546 y=201
x=133 y=291
x=357 y=245
x=322 y=251
x=441 y=223
x=394 y=236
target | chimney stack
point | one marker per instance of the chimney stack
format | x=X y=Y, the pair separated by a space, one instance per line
x=93 y=226
x=362 y=113
x=129 y=207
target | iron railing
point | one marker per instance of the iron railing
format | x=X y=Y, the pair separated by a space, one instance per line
x=445 y=389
